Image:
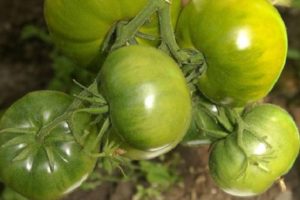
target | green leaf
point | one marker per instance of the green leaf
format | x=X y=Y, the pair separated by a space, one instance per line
x=158 y=174
x=32 y=31
x=296 y=3
x=144 y=193
x=294 y=54
x=9 y=194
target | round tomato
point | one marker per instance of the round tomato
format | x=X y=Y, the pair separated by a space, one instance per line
x=79 y=27
x=270 y=145
x=149 y=100
x=39 y=158
x=244 y=44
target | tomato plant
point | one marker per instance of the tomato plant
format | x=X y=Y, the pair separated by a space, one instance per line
x=41 y=160
x=79 y=27
x=205 y=127
x=142 y=103
x=244 y=44
x=248 y=162
x=149 y=101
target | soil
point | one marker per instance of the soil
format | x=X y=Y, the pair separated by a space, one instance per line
x=26 y=66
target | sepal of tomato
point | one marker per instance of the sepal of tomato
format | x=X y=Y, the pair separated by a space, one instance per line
x=270 y=147
x=45 y=168
x=244 y=44
x=148 y=97
x=79 y=27
x=202 y=121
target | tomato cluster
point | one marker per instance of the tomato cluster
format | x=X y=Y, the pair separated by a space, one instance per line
x=144 y=103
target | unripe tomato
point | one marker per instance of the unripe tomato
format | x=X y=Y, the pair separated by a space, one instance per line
x=79 y=27
x=149 y=100
x=244 y=43
x=270 y=147
x=45 y=167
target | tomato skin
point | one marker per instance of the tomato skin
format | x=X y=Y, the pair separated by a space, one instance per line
x=149 y=100
x=244 y=43
x=282 y=146
x=79 y=27
x=44 y=168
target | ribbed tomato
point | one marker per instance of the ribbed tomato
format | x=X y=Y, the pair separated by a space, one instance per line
x=42 y=159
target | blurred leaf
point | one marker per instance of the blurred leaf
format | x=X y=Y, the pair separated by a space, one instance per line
x=2 y=112
x=65 y=70
x=296 y=3
x=294 y=54
x=9 y=194
x=158 y=174
x=286 y=3
x=32 y=31
x=94 y=180
x=144 y=193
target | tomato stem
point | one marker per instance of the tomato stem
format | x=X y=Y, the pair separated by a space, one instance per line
x=46 y=130
x=73 y=108
x=167 y=33
x=104 y=128
x=127 y=32
x=189 y=57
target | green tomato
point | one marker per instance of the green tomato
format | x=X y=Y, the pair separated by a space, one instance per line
x=270 y=146
x=149 y=100
x=50 y=166
x=79 y=27
x=244 y=43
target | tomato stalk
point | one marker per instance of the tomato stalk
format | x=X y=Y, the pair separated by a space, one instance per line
x=127 y=32
x=190 y=57
x=77 y=106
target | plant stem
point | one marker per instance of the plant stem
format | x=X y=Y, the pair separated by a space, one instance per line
x=103 y=130
x=76 y=104
x=167 y=31
x=184 y=57
x=128 y=31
